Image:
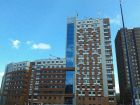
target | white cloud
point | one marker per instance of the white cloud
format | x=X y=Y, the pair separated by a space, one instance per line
x=41 y=46
x=15 y=43
x=28 y=42
x=116 y=20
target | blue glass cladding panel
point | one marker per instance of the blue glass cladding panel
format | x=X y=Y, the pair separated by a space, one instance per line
x=70 y=58
x=69 y=82
x=70 y=45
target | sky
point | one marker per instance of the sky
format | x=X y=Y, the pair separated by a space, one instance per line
x=36 y=29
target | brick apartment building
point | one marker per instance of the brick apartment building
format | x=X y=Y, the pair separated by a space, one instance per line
x=85 y=77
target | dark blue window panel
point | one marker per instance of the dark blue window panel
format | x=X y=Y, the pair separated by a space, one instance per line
x=69 y=82
x=70 y=45
x=70 y=49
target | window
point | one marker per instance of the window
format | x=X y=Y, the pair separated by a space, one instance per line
x=79 y=92
x=111 y=98
x=106 y=30
x=111 y=93
x=83 y=86
x=35 y=97
x=109 y=76
x=110 y=87
x=61 y=61
x=88 y=86
x=38 y=62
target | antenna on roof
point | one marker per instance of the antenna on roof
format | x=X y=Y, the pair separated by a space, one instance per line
x=52 y=56
x=77 y=14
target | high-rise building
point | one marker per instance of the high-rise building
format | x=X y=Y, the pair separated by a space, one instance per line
x=15 y=84
x=40 y=82
x=70 y=58
x=133 y=43
x=47 y=83
x=89 y=50
x=85 y=77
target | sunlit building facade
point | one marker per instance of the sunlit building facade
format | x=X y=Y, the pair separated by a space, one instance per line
x=15 y=84
x=85 y=77
x=70 y=58
x=89 y=40
x=40 y=82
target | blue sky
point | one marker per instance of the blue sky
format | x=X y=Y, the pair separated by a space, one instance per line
x=34 y=29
